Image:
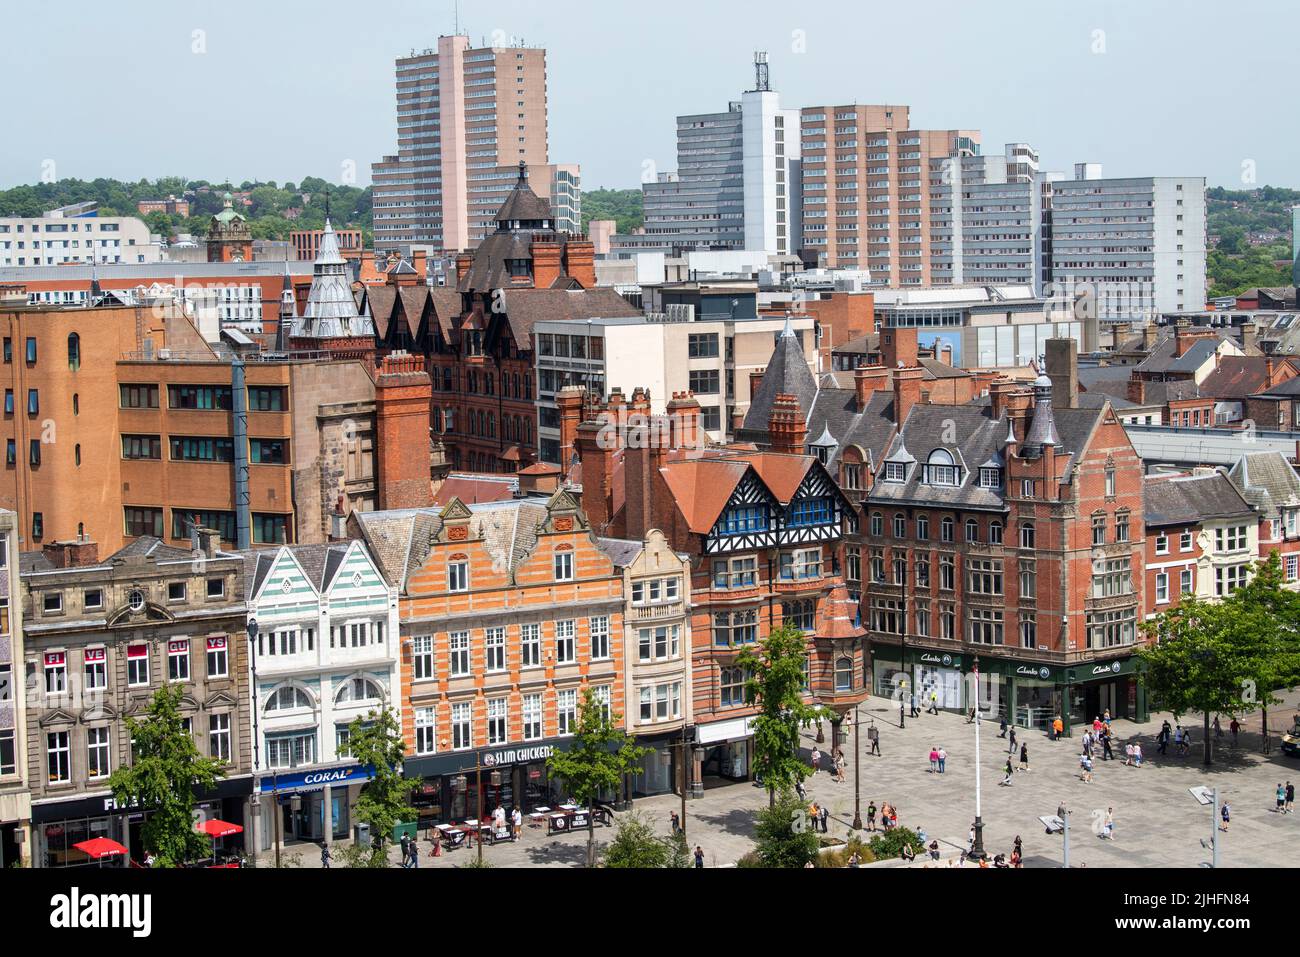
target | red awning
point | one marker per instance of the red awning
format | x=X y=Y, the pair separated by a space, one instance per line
x=100 y=847
x=215 y=828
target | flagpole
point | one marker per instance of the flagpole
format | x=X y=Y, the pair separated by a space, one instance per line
x=977 y=846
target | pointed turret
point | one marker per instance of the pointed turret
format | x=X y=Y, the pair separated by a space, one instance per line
x=331 y=308
x=1042 y=430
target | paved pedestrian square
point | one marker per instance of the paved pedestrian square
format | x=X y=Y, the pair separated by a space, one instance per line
x=1157 y=821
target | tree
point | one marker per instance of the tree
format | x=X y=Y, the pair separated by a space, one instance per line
x=783 y=836
x=601 y=756
x=775 y=683
x=1276 y=632
x=163 y=780
x=385 y=801
x=636 y=845
x=1208 y=657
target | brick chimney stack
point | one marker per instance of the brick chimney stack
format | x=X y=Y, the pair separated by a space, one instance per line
x=684 y=416
x=868 y=380
x=596 y=450
x=75 y=554
x=907 y=392
x=1063 y=370
x=999 y=392
x=580 y=262
x=546 y=263
x=786 y=430
x=403 y=393
x=898 y=348
x=570 y=400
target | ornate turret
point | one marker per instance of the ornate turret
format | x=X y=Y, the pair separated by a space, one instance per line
x=229 y=238
x=1042 y=430
x=331 y=311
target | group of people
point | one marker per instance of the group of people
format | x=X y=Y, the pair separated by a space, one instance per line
x=1285 y=797
x=819 y=817
x=938 y=759
x=838 y=762
x=1182 y=737
x=888 y=816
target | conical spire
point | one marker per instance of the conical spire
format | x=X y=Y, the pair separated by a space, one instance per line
x=288 y=311
x=331 y=309
x=1042 y=431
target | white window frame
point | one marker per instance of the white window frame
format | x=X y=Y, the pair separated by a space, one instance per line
x=494 y=650
x=462 y=726
x=530 y=645
x=566 y=650
x=498 y=721
x=531 y=712
x=424 y=731
x=458 y=654
x=422 y=657
x=599 y=627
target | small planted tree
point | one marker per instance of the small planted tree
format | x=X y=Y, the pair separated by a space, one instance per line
x=164 y=779
x=385 y=801
x=601 y=756
x=636 y=845
x=775 y=684
x=784 y=837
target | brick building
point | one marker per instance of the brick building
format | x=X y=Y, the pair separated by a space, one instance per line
x=15 y=776
x=508 y=611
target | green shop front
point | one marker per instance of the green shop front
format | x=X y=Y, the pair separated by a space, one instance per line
x=1029 y=694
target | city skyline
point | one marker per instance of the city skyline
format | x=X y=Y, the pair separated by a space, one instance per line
x=201 y=60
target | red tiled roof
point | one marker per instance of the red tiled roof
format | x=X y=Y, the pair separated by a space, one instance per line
x=702 y=487
x=471 y=488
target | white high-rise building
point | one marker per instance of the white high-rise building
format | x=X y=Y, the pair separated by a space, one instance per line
x=737 y=183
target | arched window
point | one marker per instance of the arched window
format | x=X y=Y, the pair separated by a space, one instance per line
x=844 y=673
x=900 y=525
x=995 y=533
x=972 y=530
x=287 y=698
x=358 y=689
x=74 y=351
x=941 y=469
x=1026 y=534
x=877 y=524
x=946 y=529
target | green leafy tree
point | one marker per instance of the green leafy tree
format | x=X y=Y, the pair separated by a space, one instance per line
x=601 y=757
x=164 y=779
x=1208 y=657
x=783 y=834
x=1275 y=613
x=775 y=683
x=385 y=801
x=891 y=843
x=636 y=845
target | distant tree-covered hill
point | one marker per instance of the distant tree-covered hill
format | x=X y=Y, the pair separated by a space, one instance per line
x=621 y=205
x=273 y=209
x=1251 y=235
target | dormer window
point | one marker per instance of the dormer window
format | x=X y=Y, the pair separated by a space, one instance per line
x=517 y=267
x=990 y=478
x=895 y=472
x=940 y=469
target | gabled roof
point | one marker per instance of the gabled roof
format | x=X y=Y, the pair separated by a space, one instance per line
x=526 y=307
x=1190 y=499
x=523 y=204
x=701 y=488
x=1162 y=358
x=1238 y=377
x=871 y=429
x=968 y=433
x=838 y=615
x=1267 y=481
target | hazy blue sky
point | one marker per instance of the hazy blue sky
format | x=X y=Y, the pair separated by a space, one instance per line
x=288 y=88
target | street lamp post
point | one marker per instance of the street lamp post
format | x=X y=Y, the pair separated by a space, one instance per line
x=977 y=846
x=857 y=769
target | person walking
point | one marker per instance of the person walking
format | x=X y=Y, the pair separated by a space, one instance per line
x=798 y=789
x=1108 y=827
x=325 y=856
x=1002 y=727
x=1085 y=768
x=1280 y=793
x=825 y=816
x=1290 y=796
x=699 y=856
x=915 y=713
x=1162 y=739
x=406 y=850
x=1106 y=753
x=674 y=821
x=517 y=822
x=1218 y=729
x=934 y=702
x=1024 y=757
x=873 y=735
x=816 y=759
x=1011 y=746
x=943 y=759
x=1234 y=727
x=415 y=853
x=871 y=816
x=1017 y=852
x=1137 y=754
x=1006 y=774
x=1225 y=811
x=1058 y=728
x=934 y=759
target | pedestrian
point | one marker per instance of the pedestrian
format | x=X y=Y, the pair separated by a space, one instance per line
x=1224 y=812
x=1178 y=738
x=1162 y=739
x=1024 y=757
x=517 y=822
x=934 y=850
x=325 y=856
x=943 y=759
x=825 y=816
x=1137 y=754
x=1017 y=851
x=1061 y=811
x=970 y=839
x=1096 y=725
x=1016 y=858
x=1187 y=741
x=406 y=850
x=934 y=702
x=675 y=821
x=873 y=735
x=1006 y=774
x=814 y=812
x=1281 y=798
x=1108 y=828
x=1002 y=727
x=915 y=713
x=499 y=822
x=970 y=718
x=415 y=853
x=934 y=759
x=1085 y=768
x=1011 y=747
x=1290 y=796
x=1107 y=754
x=816 y=760
x=1058 y=728
x=1234 y=727
x=871 y=816
x=1218 y=729
x=798 y=789
x=699 y=856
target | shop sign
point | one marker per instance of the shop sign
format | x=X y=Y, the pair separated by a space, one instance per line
x=1029 y=671
x=1113 y=668
x=517 y=755
x=948 y=661
x=310 y=780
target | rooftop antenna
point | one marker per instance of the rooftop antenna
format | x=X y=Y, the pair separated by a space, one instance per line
x=762 y=81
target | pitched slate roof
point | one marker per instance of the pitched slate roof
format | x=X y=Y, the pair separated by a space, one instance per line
x=787 y=373
x=621 y=551
x=1237 y=377
x=1267 y=481
x=1189 y=499
x=968 y=433
x=525 y=307
x=871 y=429
x=1162 y=358
x=523 y=204
x=1288 y=388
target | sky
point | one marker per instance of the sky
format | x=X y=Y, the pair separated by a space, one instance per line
x=281 y=89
